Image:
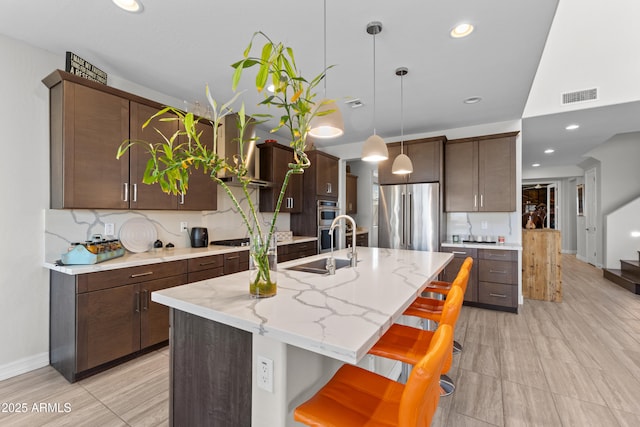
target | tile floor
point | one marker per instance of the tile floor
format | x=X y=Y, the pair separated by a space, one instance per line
x=575 y=363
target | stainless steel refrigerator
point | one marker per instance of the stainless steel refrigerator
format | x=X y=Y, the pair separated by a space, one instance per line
x=409 y=216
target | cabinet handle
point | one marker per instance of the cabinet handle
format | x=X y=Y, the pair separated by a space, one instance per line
x=498 y=271
x=147 y=273
x=145 y=300
x=182 y=198
x=481 y=201
x=496 y=256
x=202 y=264
x=458 y=253
x=475 y=200
x=328 y=188
x=137 y=302
x=291 y=202
x=134 y=198
x=126 y=191
x=233 y=257
x=497 y=295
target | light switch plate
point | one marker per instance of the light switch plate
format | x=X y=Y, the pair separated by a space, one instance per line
x=109 y=229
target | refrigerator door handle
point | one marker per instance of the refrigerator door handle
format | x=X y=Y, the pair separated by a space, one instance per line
x=410 y=222
x=402 y=216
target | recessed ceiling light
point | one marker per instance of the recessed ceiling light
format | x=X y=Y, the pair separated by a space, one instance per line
x=549 y=151
x=461 y=30
x=472 y=100
x=572 y=127
x=535 y=165
x=133 y=6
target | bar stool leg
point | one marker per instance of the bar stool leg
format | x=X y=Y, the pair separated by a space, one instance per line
x=446 y=385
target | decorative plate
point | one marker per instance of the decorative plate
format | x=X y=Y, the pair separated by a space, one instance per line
x=138 y=235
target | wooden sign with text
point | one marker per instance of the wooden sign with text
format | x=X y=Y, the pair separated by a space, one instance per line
x=80 y=67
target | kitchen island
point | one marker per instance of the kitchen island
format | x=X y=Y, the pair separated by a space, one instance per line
x=219 y=334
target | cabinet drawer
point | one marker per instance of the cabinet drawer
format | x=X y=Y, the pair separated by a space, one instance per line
x=498 y=254
x=123 y=276
x=461 y=252
x=205 y=263
x=498 y=272
x=196 y=276
x=236 y=261
x=497 y=294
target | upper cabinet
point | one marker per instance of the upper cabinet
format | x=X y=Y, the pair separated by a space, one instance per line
x=88 y=122
x=321 y=178
x=480 y=174
x=352 y=194
x=274 y=164
x=425 y=155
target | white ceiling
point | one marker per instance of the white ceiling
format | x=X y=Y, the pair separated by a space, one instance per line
x=177 y=47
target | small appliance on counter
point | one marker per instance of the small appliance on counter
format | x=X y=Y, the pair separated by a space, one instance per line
x=199 y=237
x=243 y=241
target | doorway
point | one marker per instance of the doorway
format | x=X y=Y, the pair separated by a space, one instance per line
x=540 y=201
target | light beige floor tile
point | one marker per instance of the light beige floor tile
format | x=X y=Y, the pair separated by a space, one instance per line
x=618 y=388
x=528 y=406
x=478 y=396
x=626 y=419
x=522 y=367
x=575 y=412
x=554 y=348
x=571 y=380
x=480 y=358
x=483 y=335
x=458 y=420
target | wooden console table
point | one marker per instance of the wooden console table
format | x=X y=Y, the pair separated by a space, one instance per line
x=541 y=265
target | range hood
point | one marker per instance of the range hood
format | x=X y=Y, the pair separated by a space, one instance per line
x=228 y=147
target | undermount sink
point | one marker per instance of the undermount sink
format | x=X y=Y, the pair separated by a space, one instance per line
x=319 y=266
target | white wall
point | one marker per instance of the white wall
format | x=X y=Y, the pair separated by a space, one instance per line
x=588 y=39
x=622 y=241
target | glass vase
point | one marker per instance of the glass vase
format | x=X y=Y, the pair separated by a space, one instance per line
x=263 y=258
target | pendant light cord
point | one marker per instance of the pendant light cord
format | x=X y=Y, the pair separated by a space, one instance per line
x=374 y=83
x=325 y=49
x=401 y=113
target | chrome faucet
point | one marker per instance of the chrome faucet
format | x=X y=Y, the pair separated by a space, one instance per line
x=354 y=254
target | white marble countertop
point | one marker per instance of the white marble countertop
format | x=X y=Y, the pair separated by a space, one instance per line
x=503 y=247
x=339 y=316
x=163 y=255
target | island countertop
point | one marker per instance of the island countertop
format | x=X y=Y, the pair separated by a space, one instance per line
x=339 y=316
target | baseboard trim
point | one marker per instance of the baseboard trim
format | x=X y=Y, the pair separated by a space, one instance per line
x=24 y=365
x=569 y=251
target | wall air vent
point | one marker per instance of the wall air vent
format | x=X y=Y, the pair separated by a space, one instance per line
x=580 y=96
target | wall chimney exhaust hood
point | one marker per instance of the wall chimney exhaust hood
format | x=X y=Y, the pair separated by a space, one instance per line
x=228 y=147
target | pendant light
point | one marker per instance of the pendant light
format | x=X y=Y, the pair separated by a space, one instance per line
x=402 y=164
x=330 y=125
x=374 y=149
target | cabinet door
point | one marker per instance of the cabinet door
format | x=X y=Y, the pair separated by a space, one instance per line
x=235 y=262
x=202 y=194
x=274 y=164
x=154 y=319
x=461 y=176
x=451 y=270
x=144 y=196
x=497 y=174
x=385 y=176
x=425 y=156
x=352 y=194
x=85 y=171
x=108 y=325
x=327 y=176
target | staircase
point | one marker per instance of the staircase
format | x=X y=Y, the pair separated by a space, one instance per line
x=628 y=276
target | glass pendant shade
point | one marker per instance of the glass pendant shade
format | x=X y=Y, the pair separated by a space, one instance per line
x=327 y=126
x=374 y=149
x=402 y=165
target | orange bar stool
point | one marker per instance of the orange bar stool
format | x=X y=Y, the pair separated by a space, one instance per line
x=355 y=397
x=430 y=308
x=409 y=345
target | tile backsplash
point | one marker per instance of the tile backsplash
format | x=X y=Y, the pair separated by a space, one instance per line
x=491 y=224
x=64 y=226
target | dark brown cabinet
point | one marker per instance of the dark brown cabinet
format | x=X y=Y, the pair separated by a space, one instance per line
x=425 y=155
x=322 y=176
x=88 y=122
x=98 y=318
x=274 y=164
x=207 y=267
x=451 y=270
x=480 y=174
x=235 y=262
x=351 y=195
x=362 y=239
x=297 y=250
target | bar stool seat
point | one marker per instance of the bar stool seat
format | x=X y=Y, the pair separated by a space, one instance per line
x=409 y=345
x=355 y=397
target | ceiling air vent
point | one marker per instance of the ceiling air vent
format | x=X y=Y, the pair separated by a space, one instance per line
x=579 y=96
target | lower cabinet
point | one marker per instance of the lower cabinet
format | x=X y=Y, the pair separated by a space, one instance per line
x=98 y=318
x=297 y=250
x=493 y=282
x=235 y=262
x=207 y=267
x=362 y=239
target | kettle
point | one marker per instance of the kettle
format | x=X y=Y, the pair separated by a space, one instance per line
x=199 y=237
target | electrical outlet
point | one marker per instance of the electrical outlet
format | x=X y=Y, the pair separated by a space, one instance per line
x=183 y=226
x=484 y=225
x=109 y=229
x=265 y=374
